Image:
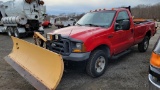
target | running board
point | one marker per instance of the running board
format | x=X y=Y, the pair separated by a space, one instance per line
x=121 y=54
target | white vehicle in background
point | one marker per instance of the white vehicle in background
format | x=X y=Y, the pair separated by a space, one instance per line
x=61 y=22
x=21 y=17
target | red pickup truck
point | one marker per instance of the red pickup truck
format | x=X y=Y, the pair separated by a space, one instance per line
x=100 y=36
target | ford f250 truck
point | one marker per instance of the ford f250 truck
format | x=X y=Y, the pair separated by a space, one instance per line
x=99 y=36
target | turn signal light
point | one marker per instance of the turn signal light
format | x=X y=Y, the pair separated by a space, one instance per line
x=77 y=50
x=155 y=60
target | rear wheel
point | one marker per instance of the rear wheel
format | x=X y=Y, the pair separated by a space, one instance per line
x=97 y=63
x=143 y=46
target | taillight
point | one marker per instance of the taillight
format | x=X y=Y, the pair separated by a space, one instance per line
x=28 y=1
x=155 y=58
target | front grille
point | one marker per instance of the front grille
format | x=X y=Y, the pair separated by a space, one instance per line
x=61 y=47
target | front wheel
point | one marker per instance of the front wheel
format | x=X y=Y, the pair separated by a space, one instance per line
x=9 y=31
x=17 y=34
x=97 y=63
x=143 y=46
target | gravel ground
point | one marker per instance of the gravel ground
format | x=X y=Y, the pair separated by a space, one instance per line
x=129 y=72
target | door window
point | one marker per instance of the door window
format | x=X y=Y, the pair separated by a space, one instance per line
x=123 y=15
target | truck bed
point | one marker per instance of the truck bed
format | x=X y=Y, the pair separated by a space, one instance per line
x=140 y=21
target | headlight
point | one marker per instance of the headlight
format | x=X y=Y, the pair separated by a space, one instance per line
x=79 y=47
x=49 y=37
x=155 y=58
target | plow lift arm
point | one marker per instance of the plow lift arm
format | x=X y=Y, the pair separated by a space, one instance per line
x=40 y=67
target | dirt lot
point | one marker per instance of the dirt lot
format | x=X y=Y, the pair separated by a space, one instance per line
x=127 y=73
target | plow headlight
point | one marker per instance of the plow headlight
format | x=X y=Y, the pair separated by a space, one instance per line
x=55 y=37
x=155 y=58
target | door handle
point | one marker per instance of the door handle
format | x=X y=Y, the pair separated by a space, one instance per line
x=132 y=30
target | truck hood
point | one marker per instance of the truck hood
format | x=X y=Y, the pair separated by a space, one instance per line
x=78 y=32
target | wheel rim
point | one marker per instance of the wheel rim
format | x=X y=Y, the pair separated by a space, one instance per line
x=100 y=64
x=145 y=44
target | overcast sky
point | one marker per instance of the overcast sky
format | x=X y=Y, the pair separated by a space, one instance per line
x=79 y=6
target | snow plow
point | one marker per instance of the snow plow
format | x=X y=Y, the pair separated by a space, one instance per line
x=42 y=68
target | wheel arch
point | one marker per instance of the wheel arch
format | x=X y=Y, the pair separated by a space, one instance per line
x=148 y=33
x=105 y=48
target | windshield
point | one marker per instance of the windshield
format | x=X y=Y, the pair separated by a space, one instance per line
x=101 y=19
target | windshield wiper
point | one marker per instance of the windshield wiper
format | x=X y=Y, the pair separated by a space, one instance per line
x=95 y=25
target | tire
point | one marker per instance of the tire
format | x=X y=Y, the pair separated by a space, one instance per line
x=9 y=31
x=17 y=34
x=97 y=63
x=143 y=46
x=68 y=25
x=74 y=23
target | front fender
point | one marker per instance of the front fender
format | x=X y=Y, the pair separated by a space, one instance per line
x=95 y=43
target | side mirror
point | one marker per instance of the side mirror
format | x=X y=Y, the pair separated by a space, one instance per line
x=117 y=26
x=125 y=25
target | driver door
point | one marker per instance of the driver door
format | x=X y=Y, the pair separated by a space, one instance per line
x=122 y=39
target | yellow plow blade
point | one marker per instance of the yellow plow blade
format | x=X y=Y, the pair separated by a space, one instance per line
x=41 y=67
